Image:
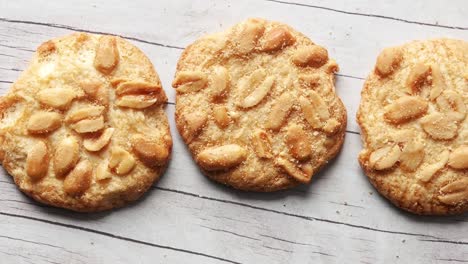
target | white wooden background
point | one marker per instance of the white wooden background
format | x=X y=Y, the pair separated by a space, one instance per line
x=185 y=218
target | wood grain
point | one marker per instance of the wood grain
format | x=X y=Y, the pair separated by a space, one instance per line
x=339 y=218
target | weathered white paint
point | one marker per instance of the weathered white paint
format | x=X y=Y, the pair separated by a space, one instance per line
x=339 y=218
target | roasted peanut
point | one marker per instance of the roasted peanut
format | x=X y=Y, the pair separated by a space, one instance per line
x=89 y=112
x=59 y=98
x=107 y=55
x=258 y=93
x=219 y=82
x=417 y=77
x=454 y=192
x=190 y=81
x=44 y=122
x=405 y=109
x=151 y=152
x=297 y=142
x=439 y=126
x=262 y=144
x=66 y=156
x=137 y=87
x=277 y=38
x=79 y=179
x=121 y=161
x=385 y=157
x=221 y=116
x=438 y=83
x=429 y=171
x=222 y=157
x=459 y=158
x=88 y=125
x=37 y=161
x=388 y=61
x=136 y=101
x=96 y=144
x=279 y=111
x=314 y=56
x=293 y=170
x=193 y=125
x=246 y=39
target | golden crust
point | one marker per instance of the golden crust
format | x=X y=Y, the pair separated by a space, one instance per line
x=74 y=77
x=238 y=107
x=414 y=141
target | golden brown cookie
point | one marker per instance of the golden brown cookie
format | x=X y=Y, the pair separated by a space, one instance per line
x=256 y=105
x=84 y=127
x=413 y=121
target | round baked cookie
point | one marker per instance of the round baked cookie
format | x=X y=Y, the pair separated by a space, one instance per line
x=84 y=127
x=413 y=121
x=256 y=105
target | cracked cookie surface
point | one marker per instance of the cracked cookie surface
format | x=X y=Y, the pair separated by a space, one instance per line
x=84 y=127
x=413 y=121
x=256 y=105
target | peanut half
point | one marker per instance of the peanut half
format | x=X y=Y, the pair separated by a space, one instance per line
x=293 y=170
x=96 y=144
x=136 y=101
x=88 y=125
x=417 y=77
x=262 y=144
x=151 y=152
x=66 y=156
x=279 y=112
x=451 y=103
x=298 y=143
x=459 y=158
x=193 y=125
x=59 y=98
x=222 y=157
x=37 y=161
x=388 y=61
x=385 y=157
x=121 y=161
x=277 y=39
x=190 y=81
x=258 y=93
x=44 y=122
x=79 y=179
x=246 y=39
x=314 y=56
x=89 y=112
x=439 y=126
x=405 y=109
x=438 y=83
x=454 y=192
x=107 y=55
x=221 y=116
x=316 y=111
x=430 y=170
x=219 y=83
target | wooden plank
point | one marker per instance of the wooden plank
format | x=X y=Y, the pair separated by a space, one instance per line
x=25 y=240
x=420 y=12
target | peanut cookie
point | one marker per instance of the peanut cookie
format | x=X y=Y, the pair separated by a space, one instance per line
x=415 y=134
x=84 y=127
x=256 y=106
